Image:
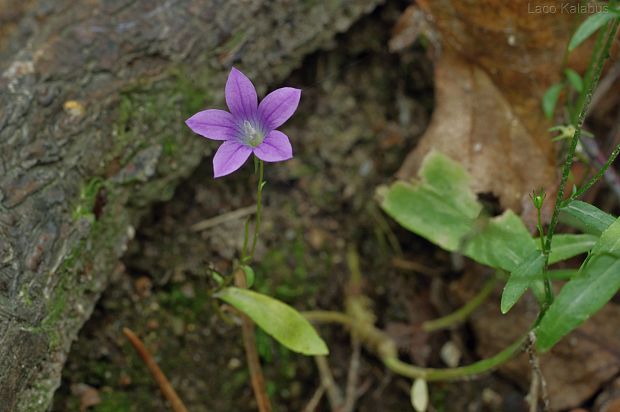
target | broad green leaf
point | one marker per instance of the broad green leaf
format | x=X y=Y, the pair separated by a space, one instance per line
x=586 y=217
x=522 y=278
x=597 y=282
x=419 y=395
x=574 y=79
x=503 y=242
x=440 y=207
x=278 y=319
x=567 y=246
x=550 y=99
x=589 y=26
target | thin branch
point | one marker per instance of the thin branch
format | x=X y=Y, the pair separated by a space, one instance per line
x=223 y=218
x=351 y=393
x=334 y=395
x=538 y=380
x=164 y=385
x=313 y=403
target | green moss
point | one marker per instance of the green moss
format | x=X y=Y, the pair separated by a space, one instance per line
x=177 y=303
x=114 y=402
x=87 y=199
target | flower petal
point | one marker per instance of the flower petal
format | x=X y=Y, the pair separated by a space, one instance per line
x=229 y=157
x=275 y=148
x=213 y=124
x=278 y=106
x=241 y=95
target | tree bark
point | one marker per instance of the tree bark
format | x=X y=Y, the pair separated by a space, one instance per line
x=93 y=95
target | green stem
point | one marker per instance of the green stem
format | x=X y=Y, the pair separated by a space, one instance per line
x=385 y=348
x=463 y=372
x=601 y=52
x=462 y=313
x=259 y=208
x=594 y=178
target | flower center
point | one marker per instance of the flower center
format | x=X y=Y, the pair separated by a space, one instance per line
x=252 y=135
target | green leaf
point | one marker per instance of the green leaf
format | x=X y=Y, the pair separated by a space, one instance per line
x=567 y=246
x=562 y=274
x=596 y=283
x=550 y=99
x=586 y=217
x=278 y=319
x=249 y=275
x=574 y=79
x=503 y=243
x=440 y=207
x=589 y=26
x=522 y=278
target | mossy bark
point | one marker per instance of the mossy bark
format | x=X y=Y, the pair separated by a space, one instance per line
x=92 y=101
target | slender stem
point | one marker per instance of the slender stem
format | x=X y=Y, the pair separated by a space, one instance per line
x=384 y=347
x=164 y=385
x=462 y=313
x=247 y=326
x=464 y=372
x=259 y=207
x=596 y=177
x=600 y=54
x=246 y=237
x=249 y=344
x=546 y=278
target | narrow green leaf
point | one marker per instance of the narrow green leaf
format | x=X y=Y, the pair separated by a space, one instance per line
x=278 y=319
x=589 y=26
x=596 y=283
x=522 y=278
x=574 y=79
x=567 y=246
x=586 y=217
x=550 y=99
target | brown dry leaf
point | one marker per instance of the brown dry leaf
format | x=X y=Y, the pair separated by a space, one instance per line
x=498 y=60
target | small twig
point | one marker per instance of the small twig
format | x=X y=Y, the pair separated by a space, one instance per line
x=223 y=218
x=249 y=343
x=313 y=403
x=405 y=264
x=538 y=380
x=164 y=385
x=351 y=393
x=334 y=395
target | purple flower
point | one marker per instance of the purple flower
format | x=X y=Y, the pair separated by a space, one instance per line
x=249 y=127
